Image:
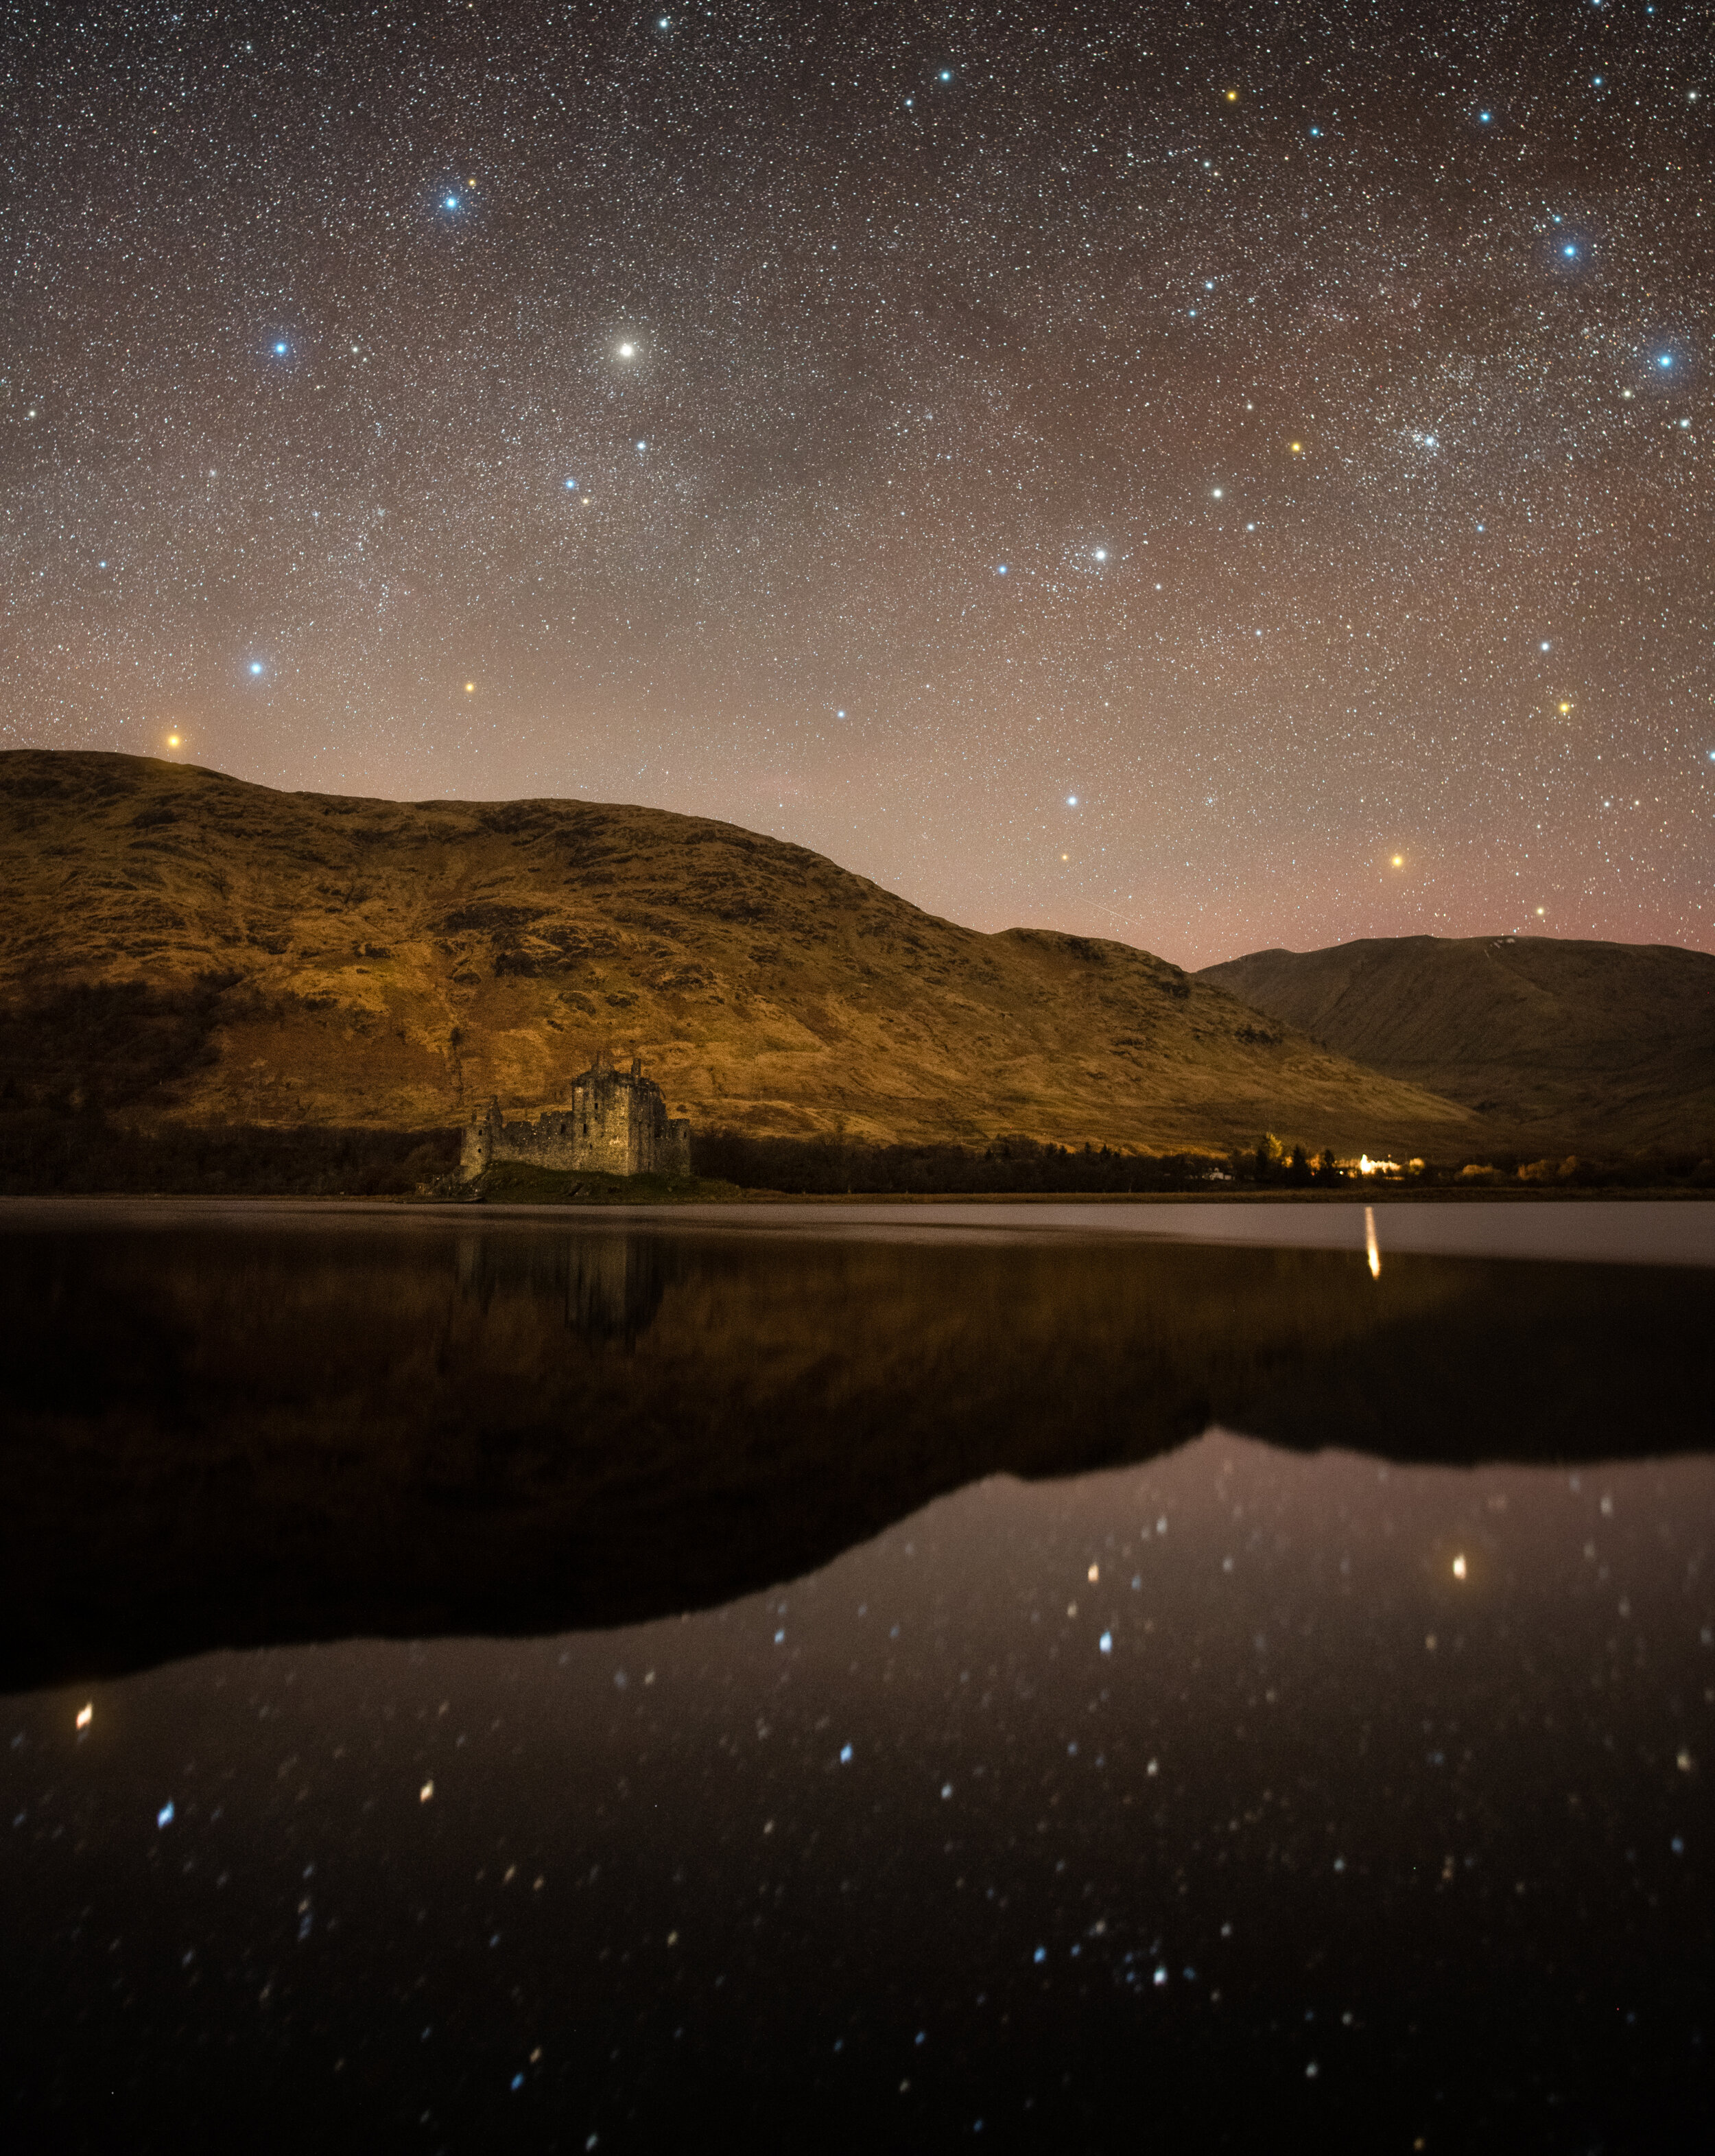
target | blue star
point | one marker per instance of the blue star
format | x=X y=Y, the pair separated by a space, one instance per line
x=279 y=350
x=1485 y=117
x=946 y=74
x=1002 y=569
x=1664 y=359
x=451 y=202
x=571 y=486
x=1571 y=253
x=255 y=665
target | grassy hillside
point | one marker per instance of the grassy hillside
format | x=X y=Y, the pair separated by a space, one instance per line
x=176 y=945
x=1610 y=1044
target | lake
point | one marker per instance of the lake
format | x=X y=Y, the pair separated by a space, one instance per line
x=859 y=1675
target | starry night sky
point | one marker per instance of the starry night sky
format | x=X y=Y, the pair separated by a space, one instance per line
x=1213 y=479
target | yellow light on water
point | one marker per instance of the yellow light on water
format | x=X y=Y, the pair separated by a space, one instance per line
x=1458 y=1567
x=86 y=1715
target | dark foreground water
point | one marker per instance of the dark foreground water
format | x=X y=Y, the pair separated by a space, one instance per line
x=825 y=1681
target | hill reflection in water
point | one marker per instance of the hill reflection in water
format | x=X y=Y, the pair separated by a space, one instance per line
x=218 y=1439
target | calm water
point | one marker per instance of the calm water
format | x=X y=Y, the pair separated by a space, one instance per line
x=819 y=1679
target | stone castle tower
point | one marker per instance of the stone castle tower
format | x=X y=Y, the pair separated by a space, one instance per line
x=617 y=1124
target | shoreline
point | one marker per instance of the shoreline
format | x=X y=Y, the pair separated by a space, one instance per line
x=1663 y=1232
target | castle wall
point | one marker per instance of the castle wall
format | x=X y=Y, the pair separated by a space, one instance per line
x=616 y=1124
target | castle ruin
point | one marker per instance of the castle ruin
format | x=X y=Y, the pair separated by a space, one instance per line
x=617 y=1124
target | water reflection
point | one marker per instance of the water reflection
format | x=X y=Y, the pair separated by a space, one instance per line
x=1038 y=1762
x=212 y=1440
x=1206 y=1793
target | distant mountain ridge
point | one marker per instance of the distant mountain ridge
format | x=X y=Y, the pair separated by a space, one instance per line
x=179 y=945
x=1609 y=1045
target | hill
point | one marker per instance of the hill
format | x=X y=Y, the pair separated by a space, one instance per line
x=178 y=944
x=1610 y=1045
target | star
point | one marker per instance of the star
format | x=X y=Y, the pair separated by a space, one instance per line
x=255 y=666
x=451 y=202
x=279 y=350
x=628 y=351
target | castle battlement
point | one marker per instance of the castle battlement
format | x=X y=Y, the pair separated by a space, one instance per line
x=617 y=1123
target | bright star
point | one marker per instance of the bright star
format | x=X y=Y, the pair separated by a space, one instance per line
x=1571 y=253
x=1072 y=801
x=571 y=486
x=626 y=351
x=839 y=715
x=946 y=74
x=1217 y=492
x=279 y=351
x=451 y=202
x=642 y=445
x=1001 y=570
x=1101 y=554
x=1665 y=359
x=1485 y=117
x=1542 y=647
x=255 y=665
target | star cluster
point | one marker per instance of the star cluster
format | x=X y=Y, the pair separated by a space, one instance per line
x=1212 y=482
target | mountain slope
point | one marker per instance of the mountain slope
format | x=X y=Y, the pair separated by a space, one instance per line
x=177 y=943
x=1613 y=1044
